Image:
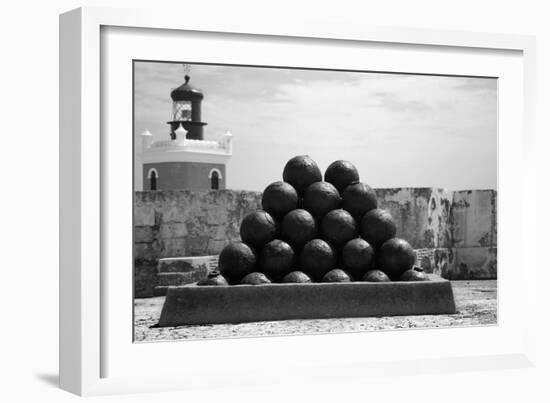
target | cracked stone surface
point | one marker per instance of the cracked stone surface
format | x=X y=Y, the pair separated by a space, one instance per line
x=476 y=303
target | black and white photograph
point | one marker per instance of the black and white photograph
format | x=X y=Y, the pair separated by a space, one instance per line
x=272 y=201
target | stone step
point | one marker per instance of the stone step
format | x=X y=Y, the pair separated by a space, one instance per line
x=166 y=279
x=175 y=271
x=187 y=264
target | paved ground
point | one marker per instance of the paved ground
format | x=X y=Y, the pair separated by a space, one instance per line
x=476 y=303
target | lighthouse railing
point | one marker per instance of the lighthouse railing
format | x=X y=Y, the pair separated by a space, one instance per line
x=187 y=144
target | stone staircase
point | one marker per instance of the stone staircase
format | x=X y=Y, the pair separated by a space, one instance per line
x=175 y=271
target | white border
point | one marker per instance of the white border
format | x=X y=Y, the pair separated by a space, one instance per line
x=81 y=307
x=121 y=45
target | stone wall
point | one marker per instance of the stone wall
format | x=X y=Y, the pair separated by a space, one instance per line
x=474 y=234
x=422 y=215
x=454 y=232
x=177 y=223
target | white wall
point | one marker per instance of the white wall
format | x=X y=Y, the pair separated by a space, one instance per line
x=29 y=89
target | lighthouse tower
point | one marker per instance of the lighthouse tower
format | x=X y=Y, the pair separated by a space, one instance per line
x=185 y=160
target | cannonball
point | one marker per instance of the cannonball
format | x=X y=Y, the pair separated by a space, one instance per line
x=279 y=198
x=358 y=199
x=258 y=228
x=377 y=226
x=255 y=278
x=338 y=227
x=298 y=227
x=320 y=198
x=396 y=256
x=317 y=258
x=296 y=277
x=376 y=276
x=301 y=171
x=414 y=274
x=213 y=278
x=357 y=257
x=277 y=259
x=336 y=276
x=236 y=260
x=341 y=174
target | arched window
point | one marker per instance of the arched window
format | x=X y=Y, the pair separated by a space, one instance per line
x=152 y=175
x=215 y=181
x=215 y=175
x=153 y=181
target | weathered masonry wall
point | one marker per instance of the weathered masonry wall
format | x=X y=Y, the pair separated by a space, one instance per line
x=474 y=235
x=454 y=232
x=184 y=223
x=422 y=215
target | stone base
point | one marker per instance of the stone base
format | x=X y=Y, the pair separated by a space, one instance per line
x=201 y=305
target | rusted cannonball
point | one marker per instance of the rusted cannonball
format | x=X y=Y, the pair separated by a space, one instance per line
x=336 y=276
x=279 y=198
x=236 y=260
x=298 y=227
x=377 y=226
x=341 y=174
x=277 y=259
x=414 y=274
x=301 y=171
x=317 y=258
x=338 y=227
x=213 y=278
x=358 y=199
x=296 y=276
x=258 y=228
x=320 y=198
x=255 y=278
x=358 y=257
x=376 y=276
x=396 y=256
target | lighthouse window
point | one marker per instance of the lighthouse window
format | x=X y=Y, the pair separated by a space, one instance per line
x=215 y=181
x=182 y=111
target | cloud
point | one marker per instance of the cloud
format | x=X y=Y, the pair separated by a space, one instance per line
x=407 y=130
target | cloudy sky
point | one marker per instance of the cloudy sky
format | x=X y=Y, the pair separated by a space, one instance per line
x=399 y=130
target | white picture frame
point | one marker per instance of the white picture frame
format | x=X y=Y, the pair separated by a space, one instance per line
x=88 y=315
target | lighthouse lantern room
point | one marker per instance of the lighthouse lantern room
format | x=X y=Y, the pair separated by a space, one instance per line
x=186 y=110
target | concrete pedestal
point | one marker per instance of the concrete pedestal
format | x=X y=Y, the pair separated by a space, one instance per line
x=201 y=305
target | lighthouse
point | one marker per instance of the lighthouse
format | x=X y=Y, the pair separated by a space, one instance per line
x=184 y=160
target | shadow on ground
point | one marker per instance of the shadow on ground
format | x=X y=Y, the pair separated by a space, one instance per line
x=49 y=379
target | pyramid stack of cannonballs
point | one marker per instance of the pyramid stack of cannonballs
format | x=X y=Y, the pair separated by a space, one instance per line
x=317 y=230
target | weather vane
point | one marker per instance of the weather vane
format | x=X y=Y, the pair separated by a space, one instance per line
x=186 y=68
